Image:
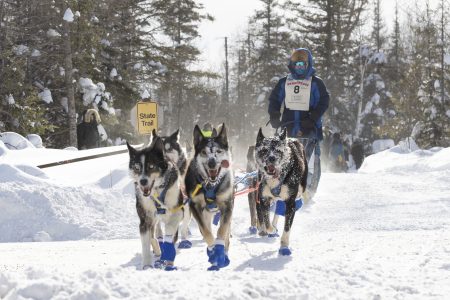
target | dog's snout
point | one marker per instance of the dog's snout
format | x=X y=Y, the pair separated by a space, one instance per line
x=143 y=182
x=271 y=158
x=211 y=163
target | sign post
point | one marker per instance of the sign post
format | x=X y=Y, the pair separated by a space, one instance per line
x=146 y=117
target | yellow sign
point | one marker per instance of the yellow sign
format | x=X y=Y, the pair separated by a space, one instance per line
x=146 y=117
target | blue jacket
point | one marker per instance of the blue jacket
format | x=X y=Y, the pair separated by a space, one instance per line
x=318 y=102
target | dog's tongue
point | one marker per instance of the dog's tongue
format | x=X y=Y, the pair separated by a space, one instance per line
x=146 y=191
x=271 y=169
x=225 y=163
x=212 y=174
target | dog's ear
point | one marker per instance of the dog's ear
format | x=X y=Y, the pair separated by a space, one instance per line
x=131 y=150
x=283 y=134
x=214 y=133
x=222 y=136
x=198 y=135
x=259 y=137
x=154 y=134
x=158 y=147
x=175 y=136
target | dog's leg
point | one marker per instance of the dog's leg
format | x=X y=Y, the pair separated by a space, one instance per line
x=171 y=225
x=203 y=224
x=145 y=242
x=252 y=208
x=289 y=218
x=223 y=233
x=262 y=211
x=275 y=220
x=184 y=230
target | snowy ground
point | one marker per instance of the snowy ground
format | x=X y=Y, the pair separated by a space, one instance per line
x=381 y=233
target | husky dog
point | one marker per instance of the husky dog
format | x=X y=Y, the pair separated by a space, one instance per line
x=283 y=170
x=158 y=199
x=209 y=185
x=174 y=152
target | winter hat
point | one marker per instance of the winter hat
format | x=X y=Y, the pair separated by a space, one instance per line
x=299 y=55
x=92 y=113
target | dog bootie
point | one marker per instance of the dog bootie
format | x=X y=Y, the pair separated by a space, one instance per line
x=273 y=234
x=170 y=268
x=253 y=230
x=218 y=257
x=158 y=263
x=168 y=252
x=284 y=251
x=185 y=244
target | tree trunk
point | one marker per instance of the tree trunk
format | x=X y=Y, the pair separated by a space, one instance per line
x=72 y=121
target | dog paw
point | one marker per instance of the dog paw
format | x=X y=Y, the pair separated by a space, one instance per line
x=158 y=264
x=218 y=257
x=284 y=251
x=170 y=268
x=273 y=234
x=213 y=268
x=185 y=244
x=262 y=233
x=145 y=267
x=253 y=230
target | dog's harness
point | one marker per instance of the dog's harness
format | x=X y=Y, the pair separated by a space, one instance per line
x=209 y=191
x=159 y=199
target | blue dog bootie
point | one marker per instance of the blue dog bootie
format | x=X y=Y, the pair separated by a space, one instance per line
x=185 y=244
x=252 y=230
x=273 y=234
x=285 y=251
x=157 y=262
x=218 y=257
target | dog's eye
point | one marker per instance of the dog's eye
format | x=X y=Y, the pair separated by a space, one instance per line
x=219 y=151
x=263 y=151
x=137 y=167
x=203 y=152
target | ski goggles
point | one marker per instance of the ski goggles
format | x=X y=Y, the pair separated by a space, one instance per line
x=300 y=64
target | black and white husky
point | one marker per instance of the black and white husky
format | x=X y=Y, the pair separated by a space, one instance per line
x=158 y=200
x=283 y=170
x=175 y=153
x=209 y=185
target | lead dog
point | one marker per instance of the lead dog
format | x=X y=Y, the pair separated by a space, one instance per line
x=174 y=152
x=209 y=185
x=283 y=170
x=158 y=200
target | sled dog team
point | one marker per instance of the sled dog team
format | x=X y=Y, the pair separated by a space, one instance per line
x=169 y=191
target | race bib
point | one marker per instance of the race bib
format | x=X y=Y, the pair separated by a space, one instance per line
x=297 y=94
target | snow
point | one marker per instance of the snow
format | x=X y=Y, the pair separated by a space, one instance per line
x=380 y=233
x=447 y=59
x=145 y=94
x=11 y=100
x=20 y=49
x=113 y=73
x=46 y=96
x=68 y=15
x=382 y=144
x=53 y=33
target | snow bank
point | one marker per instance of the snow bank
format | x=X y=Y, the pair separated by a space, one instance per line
x=71 y=202
x=398 y=160
x=15 y=141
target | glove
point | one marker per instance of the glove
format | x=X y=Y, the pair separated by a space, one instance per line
x=275 y=120
x=307 y=123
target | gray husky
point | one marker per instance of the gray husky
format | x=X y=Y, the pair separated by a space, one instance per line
x=209 y=185
x=174 y=152
x=158 y=200
x=283 y=170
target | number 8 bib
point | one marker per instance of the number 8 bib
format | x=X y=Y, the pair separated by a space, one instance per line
x=297 y=94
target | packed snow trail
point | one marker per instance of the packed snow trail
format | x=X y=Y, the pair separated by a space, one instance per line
x=368 y=235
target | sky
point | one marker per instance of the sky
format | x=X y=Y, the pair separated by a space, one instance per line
x=72 y=232
x=231 y=18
